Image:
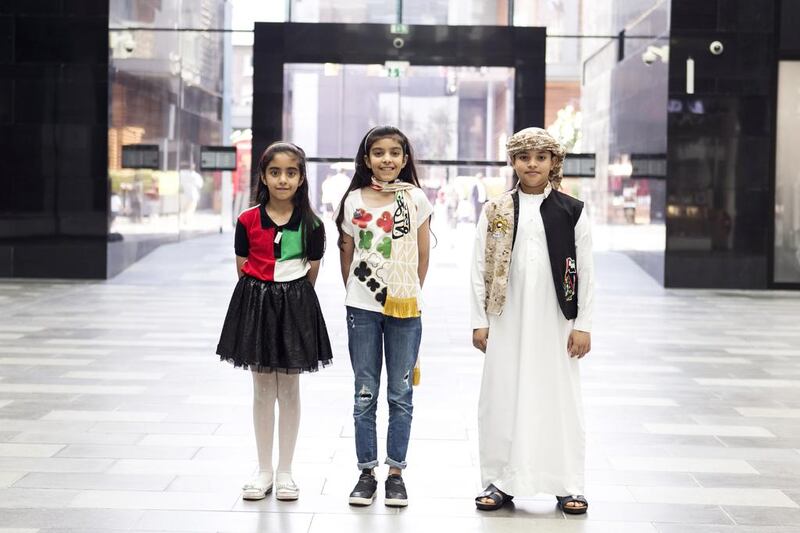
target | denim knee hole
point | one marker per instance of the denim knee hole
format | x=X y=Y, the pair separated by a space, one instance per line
x=364 y=395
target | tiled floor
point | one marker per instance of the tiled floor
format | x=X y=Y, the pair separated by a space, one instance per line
x=115 y=414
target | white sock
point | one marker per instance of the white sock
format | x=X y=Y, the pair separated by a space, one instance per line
x=289 y=419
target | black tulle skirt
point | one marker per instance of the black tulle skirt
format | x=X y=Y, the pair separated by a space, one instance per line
x=275 y=326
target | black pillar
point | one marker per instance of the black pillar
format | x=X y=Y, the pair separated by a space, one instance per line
x=53 y=130
x=719 y=157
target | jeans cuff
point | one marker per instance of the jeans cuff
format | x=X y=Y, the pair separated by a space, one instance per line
x=392 y=462
x=368 y=466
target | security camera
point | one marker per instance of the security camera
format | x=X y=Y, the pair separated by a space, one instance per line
x=654 y=53
x=122 y=44
x=716 y=48
x=398 y=42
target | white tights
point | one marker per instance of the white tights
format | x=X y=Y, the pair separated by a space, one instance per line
x=285 y=388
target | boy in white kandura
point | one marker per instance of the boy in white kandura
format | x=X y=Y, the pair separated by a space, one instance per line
x=532 y=286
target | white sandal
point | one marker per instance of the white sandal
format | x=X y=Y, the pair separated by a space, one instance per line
x=285 y=487
x=257 y=489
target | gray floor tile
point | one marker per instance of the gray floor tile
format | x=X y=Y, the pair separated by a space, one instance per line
x=127 y=499
x=752 y=497
x=200 y=522
x=684 y=528
x=29 y=450
x=7 y=479
x=105 y=416
x=140 y=451
x=76 y=437
x=641 y=479
x=54 y=464
x=77 y=519
x=14 y=498
x=145 y=428
x=764 y=516
x=56 y=480
x=667 y=513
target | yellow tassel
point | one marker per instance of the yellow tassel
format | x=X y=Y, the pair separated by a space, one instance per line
x=417 y=376
x=401 y=307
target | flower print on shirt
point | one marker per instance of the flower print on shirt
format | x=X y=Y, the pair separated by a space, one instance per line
x=381 y=296
x=372 y=273
x=361 y=218
x=385 y=222
x=380 y=269
x=365 y=239
x=362 y=271
x=385 y=247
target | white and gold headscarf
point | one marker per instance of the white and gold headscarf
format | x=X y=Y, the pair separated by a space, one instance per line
x=539 y=139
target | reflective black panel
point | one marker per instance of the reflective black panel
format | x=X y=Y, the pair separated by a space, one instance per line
x=53 y=129
x=720 y=145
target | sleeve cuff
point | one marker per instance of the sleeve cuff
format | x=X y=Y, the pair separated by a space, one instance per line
x=582 y=325
x=479 y=323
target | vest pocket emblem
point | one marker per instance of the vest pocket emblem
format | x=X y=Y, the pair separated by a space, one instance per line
x=570 y=279
x=499 y=226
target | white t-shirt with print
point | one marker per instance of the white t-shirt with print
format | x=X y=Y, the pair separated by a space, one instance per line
x=371 y=230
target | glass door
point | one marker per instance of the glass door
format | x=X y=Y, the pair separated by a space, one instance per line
x=457 y=119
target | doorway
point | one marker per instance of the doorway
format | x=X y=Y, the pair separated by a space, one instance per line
x=458 y=92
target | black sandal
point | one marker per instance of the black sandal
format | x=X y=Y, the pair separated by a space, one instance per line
x=564 y=500
x=498 y=497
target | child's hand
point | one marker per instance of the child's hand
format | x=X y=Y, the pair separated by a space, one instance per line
x=480 y=337
x=578 y=345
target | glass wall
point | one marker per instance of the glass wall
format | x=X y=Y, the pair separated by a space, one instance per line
x=449 y=113
x=429 y=12
x=597 y=101
x=787 y=175
x=624 y=107
x=166 y=90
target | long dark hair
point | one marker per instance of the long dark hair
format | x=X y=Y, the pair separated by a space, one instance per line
x=309 y=219
x=363 y=174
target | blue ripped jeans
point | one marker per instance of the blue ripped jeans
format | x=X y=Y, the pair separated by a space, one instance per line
x=369 y=334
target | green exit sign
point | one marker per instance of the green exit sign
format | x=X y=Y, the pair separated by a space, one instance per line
x=399 y=29
x=396 y=69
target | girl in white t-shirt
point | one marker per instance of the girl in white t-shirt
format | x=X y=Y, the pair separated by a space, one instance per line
x=384 y=242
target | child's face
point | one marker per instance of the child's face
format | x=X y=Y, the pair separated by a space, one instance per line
x=386 y=159
x=533 y=168
x=282 y=176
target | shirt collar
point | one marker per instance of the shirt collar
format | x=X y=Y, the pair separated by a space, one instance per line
x=547 y=189
x=267 y=222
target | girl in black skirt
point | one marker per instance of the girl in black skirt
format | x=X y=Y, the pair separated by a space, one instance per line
x=274 y=326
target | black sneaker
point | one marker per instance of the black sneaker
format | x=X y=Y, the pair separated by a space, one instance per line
x=396 y=495
x=364 y=492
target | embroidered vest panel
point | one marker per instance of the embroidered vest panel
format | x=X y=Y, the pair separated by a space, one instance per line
x=501 y=215
x=560 y=213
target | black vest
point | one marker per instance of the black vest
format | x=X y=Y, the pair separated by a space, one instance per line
x=560 y=212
